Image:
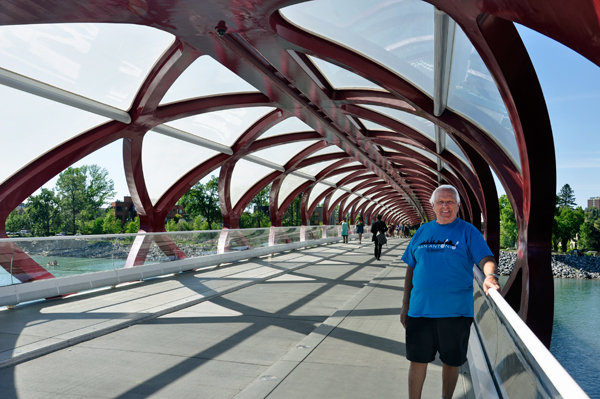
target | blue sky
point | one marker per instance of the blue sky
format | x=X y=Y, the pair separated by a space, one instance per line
x=571 y=86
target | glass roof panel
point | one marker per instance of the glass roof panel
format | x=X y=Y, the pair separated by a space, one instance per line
x=340 y=78
x=336 y=178
x=354 y=163
x=397 y=34
x=332 y=149
x=317 y=190
x=350 y=186
x=103 y=62
x=245 y=175
x=336 y=196
x=374 y=126
x=290 y=183
x=455 y=149
x=474 y=94
x=206 y=77
x=359 y=203
x=25 y=138
x=165 y=160
x=281 y=154
x=289 y=125
x=415 y=122
x=351 y=198
x=223 y=127
x=388 y=149
x=364 y=190
x=429 y=155
x=316 y=168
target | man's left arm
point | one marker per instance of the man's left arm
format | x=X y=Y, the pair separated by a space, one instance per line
x=490 y=271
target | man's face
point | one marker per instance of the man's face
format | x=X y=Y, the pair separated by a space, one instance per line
x=445 y=207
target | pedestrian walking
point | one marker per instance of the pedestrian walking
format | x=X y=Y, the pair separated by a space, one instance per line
x=378 y=229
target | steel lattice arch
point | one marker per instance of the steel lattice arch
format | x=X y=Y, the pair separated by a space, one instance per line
x=365 y=105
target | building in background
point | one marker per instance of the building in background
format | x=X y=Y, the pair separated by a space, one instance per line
x=594 y=202
x=125 y=210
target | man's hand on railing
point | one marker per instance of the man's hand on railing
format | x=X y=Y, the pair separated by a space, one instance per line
x=490 y=281
x=489 y=268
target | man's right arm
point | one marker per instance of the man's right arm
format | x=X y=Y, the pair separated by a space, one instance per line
x=406 y=300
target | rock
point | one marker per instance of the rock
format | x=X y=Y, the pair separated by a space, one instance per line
x=563 y=266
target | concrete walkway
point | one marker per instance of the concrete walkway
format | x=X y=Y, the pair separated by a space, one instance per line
x=322 y=322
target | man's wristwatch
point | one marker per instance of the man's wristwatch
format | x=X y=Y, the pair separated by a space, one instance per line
x=492 y=274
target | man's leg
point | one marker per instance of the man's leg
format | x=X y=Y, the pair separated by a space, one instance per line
x=449 y=379
x=416 y=378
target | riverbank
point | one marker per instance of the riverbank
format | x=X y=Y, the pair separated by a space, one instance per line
x=104 y=249
x=563 y=266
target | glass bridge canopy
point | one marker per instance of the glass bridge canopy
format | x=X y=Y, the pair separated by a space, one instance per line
x=263 y=103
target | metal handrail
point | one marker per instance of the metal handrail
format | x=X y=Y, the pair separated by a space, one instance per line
x=122 y=235
x=550 y=374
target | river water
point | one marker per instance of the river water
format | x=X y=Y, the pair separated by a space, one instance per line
x=575 y=337
x=576 y=333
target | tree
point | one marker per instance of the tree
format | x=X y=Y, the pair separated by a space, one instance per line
x=17 y=220
x=82 y=192
x=292 y=216
x=203 y=200
x=589 y=234
x=95 y=226
x=44 y=212
x=255 y=216
x=98 y=188
x=133 y=226
x=71 y=186
x=508 y=223
x=569 y=221
x=111 y=225
x=566 y=197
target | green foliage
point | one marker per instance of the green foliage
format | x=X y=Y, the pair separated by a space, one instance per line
x=566 y=197
x=568 y=223
x=254 y=215
x=133 y=226
x=17 y=220
x=44 y=213
x=292 y=215
x=171 y=225
x=95 y=226
x=111 y=225
x=508 y=223
x=203 y=200
x=200 y=223
x=589 y=233
x=82 y=191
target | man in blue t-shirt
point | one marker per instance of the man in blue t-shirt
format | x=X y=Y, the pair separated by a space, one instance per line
x=437 y=310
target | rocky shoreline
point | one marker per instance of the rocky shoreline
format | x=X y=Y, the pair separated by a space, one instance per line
x=106 y=249
x=563 y=266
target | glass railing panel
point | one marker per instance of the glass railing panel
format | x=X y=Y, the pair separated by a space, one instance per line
x=197 y=244
x=6 y=278
x=59 y=257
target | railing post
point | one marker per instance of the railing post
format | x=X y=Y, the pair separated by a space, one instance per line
x=223 y=246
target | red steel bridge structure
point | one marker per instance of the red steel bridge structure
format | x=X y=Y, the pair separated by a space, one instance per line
x=419 y=111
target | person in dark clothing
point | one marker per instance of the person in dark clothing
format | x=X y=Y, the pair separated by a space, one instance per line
x=376 y=228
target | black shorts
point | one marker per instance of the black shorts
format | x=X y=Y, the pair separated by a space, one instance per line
x=447 y=335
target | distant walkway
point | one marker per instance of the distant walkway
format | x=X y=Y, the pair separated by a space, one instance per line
x=317 y=323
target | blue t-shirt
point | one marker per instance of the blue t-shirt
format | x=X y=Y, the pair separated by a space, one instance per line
x=345 y=229
x=442 y=256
